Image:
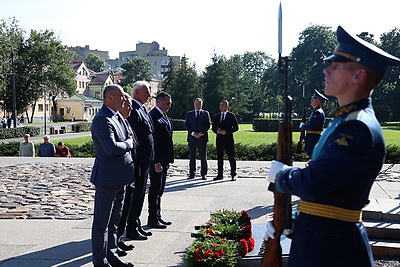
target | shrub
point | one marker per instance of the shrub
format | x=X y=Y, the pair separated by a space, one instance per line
x=178 y=125
x=272 y=125
x=81 y=127
x=7 y=133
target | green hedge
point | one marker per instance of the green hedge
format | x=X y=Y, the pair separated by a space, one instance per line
x=8 y=133
x=272 y=125
x=179 y=125
x=81 y=127
x=265 y=152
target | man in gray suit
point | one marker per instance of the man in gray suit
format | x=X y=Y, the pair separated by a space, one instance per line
x=112 y=171
x=197 y=125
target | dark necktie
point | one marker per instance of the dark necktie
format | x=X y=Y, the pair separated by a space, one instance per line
x=197 y=115
x=222 y=117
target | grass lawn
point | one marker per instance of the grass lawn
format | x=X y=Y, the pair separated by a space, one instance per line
x=246 y=136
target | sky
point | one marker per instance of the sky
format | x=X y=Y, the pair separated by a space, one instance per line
x=197 y=29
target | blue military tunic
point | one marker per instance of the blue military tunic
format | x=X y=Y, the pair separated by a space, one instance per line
x=313 y=129
x=344 y=165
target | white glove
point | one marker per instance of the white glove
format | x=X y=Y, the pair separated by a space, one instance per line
x=269 y=231
x=276 y=166
x=301 y=125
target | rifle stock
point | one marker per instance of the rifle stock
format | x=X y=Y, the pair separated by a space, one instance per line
x=282 y=203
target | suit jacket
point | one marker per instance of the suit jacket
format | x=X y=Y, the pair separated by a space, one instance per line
x=163 y=145
x=113 y=165
x=142 y=124
x=199 y=125
x=229 y=124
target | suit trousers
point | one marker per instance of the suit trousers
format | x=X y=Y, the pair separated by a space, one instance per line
x=156 y=190
x=225 y=143
x=201 y=146
x=108 y=203
x=138 y=198
x=125 y=210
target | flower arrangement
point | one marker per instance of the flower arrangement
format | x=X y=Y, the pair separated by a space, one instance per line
x=221 y=240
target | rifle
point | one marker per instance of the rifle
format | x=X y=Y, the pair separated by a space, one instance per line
x=282 y=203
x=302 y=132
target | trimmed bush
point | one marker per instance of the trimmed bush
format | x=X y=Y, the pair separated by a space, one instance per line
x=8 y=133
x=81 y=127
x=179 y=125
x=272 y=125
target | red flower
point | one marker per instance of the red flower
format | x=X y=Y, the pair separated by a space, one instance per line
x=221 y=252
x=207 y=254
x=250 y=244
x=245 y=213
x=196 y=253
x=199 y=247
x=244 y=249
x=210 y=232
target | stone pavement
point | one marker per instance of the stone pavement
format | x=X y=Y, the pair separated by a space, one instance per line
x=46 y=206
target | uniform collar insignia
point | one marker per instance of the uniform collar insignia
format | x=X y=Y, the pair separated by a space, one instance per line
x=361 y=104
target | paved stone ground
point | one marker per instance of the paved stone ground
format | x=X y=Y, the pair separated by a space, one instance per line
x=62 y=190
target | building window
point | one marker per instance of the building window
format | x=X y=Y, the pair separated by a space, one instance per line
x=165 y=62
x=97 y=94
x=40 y=107
x=155 y=63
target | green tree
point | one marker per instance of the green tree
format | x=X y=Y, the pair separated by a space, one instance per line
x=95 y=63
x=184 y=88
x=11 y=39
x=315 y=43
x=136 y=69
x=215 y=83
x=41 y=67
x=388 y=92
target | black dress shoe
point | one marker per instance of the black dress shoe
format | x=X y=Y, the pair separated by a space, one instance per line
x=143 y=232
x=233 y=178
x=124 y=246
x=121 y=252
x=190 y=177
x=164 y=222
x=119 y=263
x=217 y=178
x=156 y=224
x=135 y=236
x=203 y=177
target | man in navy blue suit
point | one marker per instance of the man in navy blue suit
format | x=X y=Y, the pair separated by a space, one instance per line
x=197 y=124
x=141 y=123
x=112 y=170
x=224 y=125
x=163 y=156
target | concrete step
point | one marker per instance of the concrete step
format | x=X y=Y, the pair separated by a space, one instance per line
x=387 y=210
x=385 y=247
x=383 y=230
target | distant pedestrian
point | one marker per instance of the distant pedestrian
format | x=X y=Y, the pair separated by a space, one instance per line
x=46 y=149
x=26 y=148
x=4 y=122
x=8 y=122
x=62 y=150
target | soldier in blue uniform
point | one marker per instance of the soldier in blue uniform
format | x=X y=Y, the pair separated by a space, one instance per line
x=335 y=185
x=315 y=123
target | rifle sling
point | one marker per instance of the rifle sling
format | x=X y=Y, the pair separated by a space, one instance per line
x=313 y=132
x=331 y=212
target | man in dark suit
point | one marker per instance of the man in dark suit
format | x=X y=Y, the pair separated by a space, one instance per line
x=142 y=124
x=113 y=169
x=224 y=125
x=197 y=125
x=163 y=156
x=122 y=247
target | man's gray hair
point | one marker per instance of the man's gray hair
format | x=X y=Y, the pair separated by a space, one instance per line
x=138 y=85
